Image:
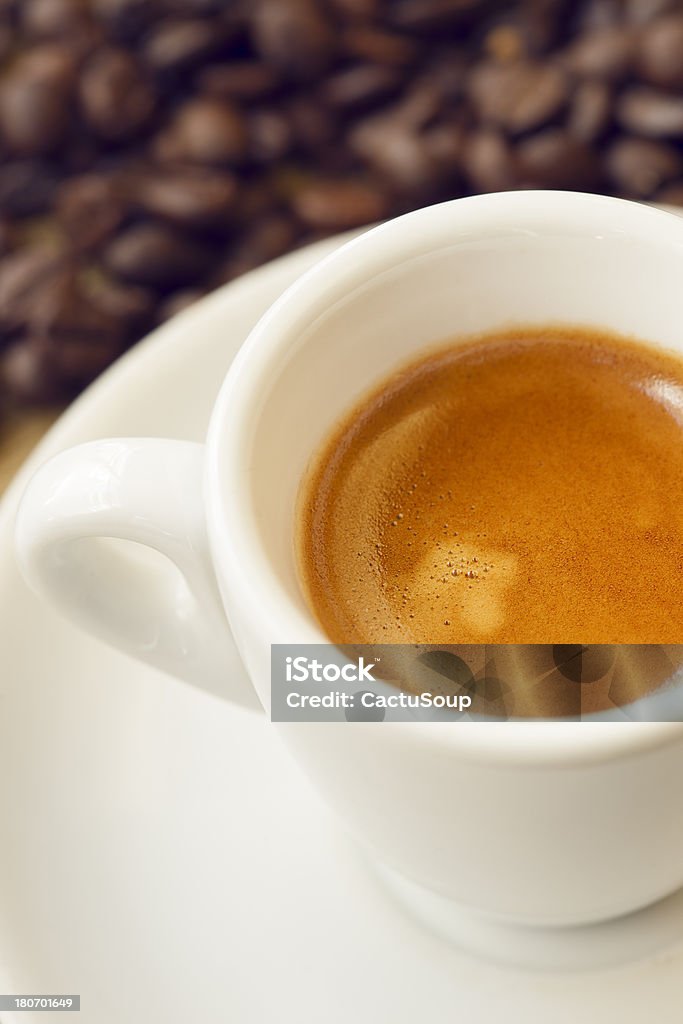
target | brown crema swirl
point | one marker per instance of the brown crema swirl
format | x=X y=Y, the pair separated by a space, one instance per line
x=523 y=487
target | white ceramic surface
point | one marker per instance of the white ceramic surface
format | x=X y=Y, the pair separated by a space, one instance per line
x=499 y=817
x=159 y=851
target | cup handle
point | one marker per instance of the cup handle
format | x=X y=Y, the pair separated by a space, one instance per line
x=148 y=491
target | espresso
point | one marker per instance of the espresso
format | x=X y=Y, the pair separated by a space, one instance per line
x=524 y=487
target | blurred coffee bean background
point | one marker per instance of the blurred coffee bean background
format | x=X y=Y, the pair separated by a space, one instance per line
x=152 y=150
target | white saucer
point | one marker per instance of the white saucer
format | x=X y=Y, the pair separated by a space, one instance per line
x=159 y=852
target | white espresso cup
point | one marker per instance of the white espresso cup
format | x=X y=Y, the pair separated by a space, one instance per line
x=547 y=823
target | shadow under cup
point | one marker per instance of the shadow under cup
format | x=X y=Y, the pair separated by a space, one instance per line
x=479 y=265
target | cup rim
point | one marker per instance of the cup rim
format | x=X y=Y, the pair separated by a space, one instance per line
x=234 y=538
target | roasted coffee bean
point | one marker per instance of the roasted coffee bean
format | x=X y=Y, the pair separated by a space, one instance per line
x=393 y=149
x=157 y=256
x=671 y=195
x=270 y=135
x=505 y=43
x=335 y=205
x=392 y=139
x=361 y=86
x=518 y=97
x=194 y=6
x=293 y=35
x=660 y=52
x=374 y=44
x=178 y=302
x=238 y=80
x=313 y=126
x=24 y=276
x=445 y=76
x=90 y=208
x=261 y=198
x=362 y=10
x=204 y=131
x=126 y=19
x=54 y=18
x=27 y=187
x=41 y=232
x=650 y=112
x=488 y=161
x=443 y=144
x=639 y=167
x=553 y=159
x=589 y=111
x=640 y=12
x=603 y=53
x=6 y=42
x=192 y=198
x=35 y=98
x=271 y=236
x=40 y=369
x=420 y=106
x=79 y=360
x=430 y=15
x=66 y=311
x=598 y=14
x=178 y=45
x=129 y=304
x=116 y=98
x=7 y=237
x=28 y=373
x=523 y=31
